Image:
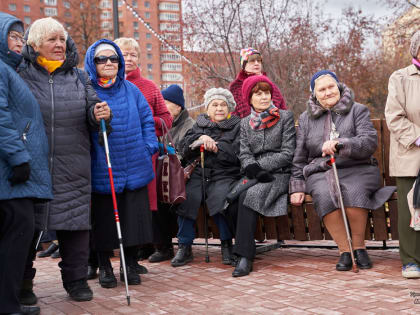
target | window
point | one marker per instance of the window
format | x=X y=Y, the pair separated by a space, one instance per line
x=172 y=37
x=149 y=56
x=134 y=3
x=50 y=11
x=12 y=7
x=106 y=15
x=67 y=13
x=146 y=4
x=120 y=14
x=165 y=6
x=26 y=8
x=27 y=20
x=150 y=76
x=172 y=77
x=169 y=16
x=148 y=35
x=149 y=46
x=119 y=3
x=171 y=27
x=135 y=25
x=147 y=15
x=51 y=2
x=172 y=67
x=66 y=4
x=149 y=67
x=136 y=35
x=105 y=4
x=170 y=57
x=106 y=25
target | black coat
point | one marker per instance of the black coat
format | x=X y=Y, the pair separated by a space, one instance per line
x=222 y=169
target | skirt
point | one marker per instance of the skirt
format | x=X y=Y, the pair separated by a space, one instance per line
x=135 y=220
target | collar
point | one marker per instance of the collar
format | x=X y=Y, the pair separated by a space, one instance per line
x=412 y=70
x=135 y=74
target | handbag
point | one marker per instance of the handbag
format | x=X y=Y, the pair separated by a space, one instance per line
x=189 y=169
x=170 y=182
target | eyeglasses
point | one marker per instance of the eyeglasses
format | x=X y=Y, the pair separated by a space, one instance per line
x=17 y=38
x=100 y=60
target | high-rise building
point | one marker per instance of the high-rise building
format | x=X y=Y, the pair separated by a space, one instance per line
x=140 y=19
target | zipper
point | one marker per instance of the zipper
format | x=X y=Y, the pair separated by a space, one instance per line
x=50 y=81
x=25 y=132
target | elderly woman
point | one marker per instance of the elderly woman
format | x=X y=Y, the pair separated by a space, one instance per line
x=251 y=64
x=132 y=144
x=333 y=117
x=268 y=140
x=67 y=101
x=218 y=131
x=403 y=120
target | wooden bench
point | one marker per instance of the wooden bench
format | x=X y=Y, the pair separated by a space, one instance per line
x=303 y=224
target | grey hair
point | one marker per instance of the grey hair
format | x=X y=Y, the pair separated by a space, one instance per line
x=41 y=28
x=129 y=43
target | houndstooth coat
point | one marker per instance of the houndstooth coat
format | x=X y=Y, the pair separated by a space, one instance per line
x=272 y=148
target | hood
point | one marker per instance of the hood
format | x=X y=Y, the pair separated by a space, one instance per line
x=90 y=66
x=72 y=56
x=7 y=56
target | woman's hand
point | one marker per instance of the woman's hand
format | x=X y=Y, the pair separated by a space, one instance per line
x=329 y=147
x=102 y=111
x=209 y=143
x=297 y=199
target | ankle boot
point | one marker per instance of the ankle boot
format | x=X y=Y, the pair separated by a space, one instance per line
x=362 y=259
x=27 y=296
x=107 y=278
x=132 y=277
x=243 y=267
x=140 y=269
x=226 y=249
x=183 y=256
x=162 y=254
x=46 y=253
x=92 y=272
x=344 y=263
x=78 y=290
x=29 y=310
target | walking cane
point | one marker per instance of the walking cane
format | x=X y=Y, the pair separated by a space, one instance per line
x=206 y=227
x=343 y=210
x=114 y=200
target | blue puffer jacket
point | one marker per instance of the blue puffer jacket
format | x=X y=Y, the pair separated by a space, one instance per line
x=132 y=141
x=22 y=134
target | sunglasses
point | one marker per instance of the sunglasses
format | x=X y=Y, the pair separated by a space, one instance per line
x=100 y=60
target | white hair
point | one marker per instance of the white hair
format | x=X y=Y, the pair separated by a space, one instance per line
x=41 y=28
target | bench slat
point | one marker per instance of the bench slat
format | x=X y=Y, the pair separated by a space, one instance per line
x=298 y=220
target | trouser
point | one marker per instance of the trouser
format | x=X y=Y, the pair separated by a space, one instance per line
x=74 y=251
x=130 y=254
x=30 y=271
x=16 y=233
x=409 y=239
x=162 y=221
x=186 y=229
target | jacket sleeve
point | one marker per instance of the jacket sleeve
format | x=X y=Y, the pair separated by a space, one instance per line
x=278 y=98
x=300 y=159
x=404 y=130
x=193 y=134
x=365 y=142
x=91 y=99
x=246 y=156
x=147 y=123
x=236 y=89
x=228 y=151
x=12 y=148
x=160 y=111
x=273 y=161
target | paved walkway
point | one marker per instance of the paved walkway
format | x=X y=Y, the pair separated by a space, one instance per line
x=284 y=281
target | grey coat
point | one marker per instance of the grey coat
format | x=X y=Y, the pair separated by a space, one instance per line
x=272 y=148
x=67 y=109
x=358 y=174
x=180 y=126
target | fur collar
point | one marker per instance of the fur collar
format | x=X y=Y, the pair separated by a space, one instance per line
x=315 y=110
x=204 y=121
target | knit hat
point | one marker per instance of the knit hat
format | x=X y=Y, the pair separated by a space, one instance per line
x=250 y=82
x=415 y=44
x=174 y=94
x=104 y=46
x=320 y=73
x=220 y=94
x=245 y=53
x=16 y=27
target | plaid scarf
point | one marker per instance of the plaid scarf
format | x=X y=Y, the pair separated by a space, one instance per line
x=265 y=119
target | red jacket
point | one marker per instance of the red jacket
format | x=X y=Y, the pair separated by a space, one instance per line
x=242 y=108
x=157 y=104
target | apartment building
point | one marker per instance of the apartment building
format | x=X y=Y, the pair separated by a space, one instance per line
x=140 y=19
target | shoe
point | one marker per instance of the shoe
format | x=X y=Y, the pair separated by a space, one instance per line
x=243 y=267
x=183 y=256
x=92 y=272
x=145 y=251
x=132 y=277
x=140 y=269
x=362 y=259
x=29 y=310
x=78 y=290
x=56 y=254
x=27 y=295
x=162 y=255
x=234 y=260
x=46 y=253
x=107 y=278
x=227 y=249
x=411 y=271
x=344 y=263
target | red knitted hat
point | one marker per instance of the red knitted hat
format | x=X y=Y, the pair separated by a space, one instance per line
x=250 y=82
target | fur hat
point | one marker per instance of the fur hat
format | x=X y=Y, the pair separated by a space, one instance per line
x=415 y=44
x=174 y=94
x=321 y=73
x=220 y=94
x=245 y=53
x=250 y=82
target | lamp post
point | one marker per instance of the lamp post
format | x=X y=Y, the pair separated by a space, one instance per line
x=115 y=19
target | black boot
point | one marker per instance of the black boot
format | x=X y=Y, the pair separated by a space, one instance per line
x=56 y=254
x=46 y=253
x=26 y=295
x=107 y=278
x=243 y=267
x=145 y=251
x=344 y=263
x=140 y=269
x=132 y=277
x=78 y=290
x=227 y=252
x=29 y=310
x=162 y=254
x=183 y=256
x=362 y=259
x=92 y=272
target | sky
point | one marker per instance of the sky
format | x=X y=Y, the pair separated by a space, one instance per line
x=371 y=7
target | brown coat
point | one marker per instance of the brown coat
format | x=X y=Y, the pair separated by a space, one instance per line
x=402 y=114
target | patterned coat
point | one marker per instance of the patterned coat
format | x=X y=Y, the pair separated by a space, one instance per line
x=272 y=148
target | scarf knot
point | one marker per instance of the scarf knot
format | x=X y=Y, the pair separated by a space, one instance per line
x=265 y=119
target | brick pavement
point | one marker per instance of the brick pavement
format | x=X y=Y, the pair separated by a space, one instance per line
x=284 y=281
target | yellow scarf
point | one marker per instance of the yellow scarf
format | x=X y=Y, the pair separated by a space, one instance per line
x=50 y=65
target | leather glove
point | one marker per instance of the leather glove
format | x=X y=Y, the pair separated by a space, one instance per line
x=252 y=170
x=20 y=174
x=265 y=177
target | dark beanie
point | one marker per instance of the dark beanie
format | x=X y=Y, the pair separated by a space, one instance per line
x=174 y=94
x=321 y=73
x=16 y=27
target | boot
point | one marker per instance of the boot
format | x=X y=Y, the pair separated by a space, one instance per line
x=362 y=259
x=46 y=253
x=56 y=254
x=243 y=267
x=29 y=310
x=78 y=290
x=145 y=251
x=226 y=249
x=183 y=256
x=92 y=272
x=140 y=269
x=162 y=254
x=107 y=278
x=344 y=263
x=26 y=295
x=132 y=277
